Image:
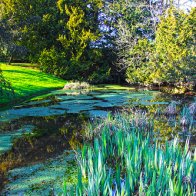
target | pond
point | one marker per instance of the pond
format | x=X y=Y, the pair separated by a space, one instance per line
x=37 y=138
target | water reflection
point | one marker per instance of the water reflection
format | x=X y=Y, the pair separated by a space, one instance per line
x=175 y=119
x=50 y=137
x=59 y=120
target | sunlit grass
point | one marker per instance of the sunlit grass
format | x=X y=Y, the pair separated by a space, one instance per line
x=112 y=87
x=28 y=82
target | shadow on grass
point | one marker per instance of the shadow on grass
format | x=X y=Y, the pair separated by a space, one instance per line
x=8 y=103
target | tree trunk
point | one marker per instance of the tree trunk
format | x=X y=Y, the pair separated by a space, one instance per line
x=119 y=78
x=10 y=60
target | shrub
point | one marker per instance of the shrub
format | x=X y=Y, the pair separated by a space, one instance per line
x=91 y=69
x=76 y=86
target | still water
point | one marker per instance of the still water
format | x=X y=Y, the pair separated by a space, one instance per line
x=37 y=138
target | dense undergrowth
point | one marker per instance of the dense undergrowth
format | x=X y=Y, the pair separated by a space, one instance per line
x=123 y=157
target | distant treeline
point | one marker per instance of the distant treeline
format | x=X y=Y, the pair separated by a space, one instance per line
x=137 y=41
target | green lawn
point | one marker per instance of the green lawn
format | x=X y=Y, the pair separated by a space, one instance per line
x=28 y=82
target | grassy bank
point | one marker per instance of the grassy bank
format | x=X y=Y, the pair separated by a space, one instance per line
x=27 y=82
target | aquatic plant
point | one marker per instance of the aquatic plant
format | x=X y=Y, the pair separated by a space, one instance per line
x=188 y=118
x=171 y=108
x=192 y=108
x=122 y=121
x=124 y=160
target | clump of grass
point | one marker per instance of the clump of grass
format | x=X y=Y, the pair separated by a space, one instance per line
x=171 y=109
x=76 y=86
x=192 y=108
x=122 y=121
x=124 y=160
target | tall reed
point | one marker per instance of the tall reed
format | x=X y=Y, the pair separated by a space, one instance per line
x=125 y=160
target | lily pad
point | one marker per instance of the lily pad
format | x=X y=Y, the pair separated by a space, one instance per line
x=33 y=112
x=65 y=97
x=78 y=101
x=79 y=108
x=74 y=107
x=136 y=95
x=71 y=97
x=98 y=113
x=103 y=104
x=107 y=95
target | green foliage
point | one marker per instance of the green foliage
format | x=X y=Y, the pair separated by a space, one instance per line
x=60 y=35
x=134 y=24
x=25 y=23
x=170 y=58
x=175 y=48
x=88 y=40
x=140 y=66
x=75 y=58
x=59 y=64
x=126 y=162
x=53 y=62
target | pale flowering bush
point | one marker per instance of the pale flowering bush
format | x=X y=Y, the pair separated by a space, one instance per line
x=76 y=86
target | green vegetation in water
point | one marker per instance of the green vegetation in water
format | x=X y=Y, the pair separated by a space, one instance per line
x=48 y=137
x=52 y=134
x=125 y=161
x=6 y=140
x=28 y=82
x=43 y=178
x=60 y=102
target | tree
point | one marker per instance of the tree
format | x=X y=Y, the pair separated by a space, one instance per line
x=60 y=35
x=9 y=46
x=135 y=24
x=159 y=52
x=175 y=47
x=77 y=56
x=31 y=25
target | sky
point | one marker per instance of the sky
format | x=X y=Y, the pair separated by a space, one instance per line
x=186 y=4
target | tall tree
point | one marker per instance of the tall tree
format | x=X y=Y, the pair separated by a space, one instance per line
x=154 y=49
x=77 y=56
x=175 y=46
x=32 y=24
x=132 y=20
